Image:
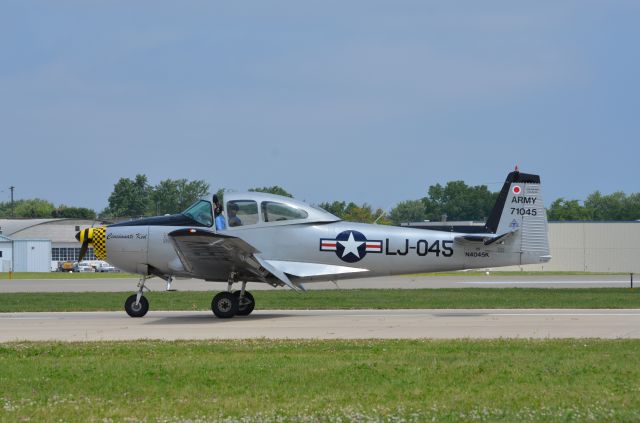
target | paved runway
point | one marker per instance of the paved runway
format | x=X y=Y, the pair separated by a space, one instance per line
x=323 y=324
x=398 y=282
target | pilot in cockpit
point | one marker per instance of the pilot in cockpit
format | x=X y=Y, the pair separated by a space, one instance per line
x=232 y=211
x=221 y=224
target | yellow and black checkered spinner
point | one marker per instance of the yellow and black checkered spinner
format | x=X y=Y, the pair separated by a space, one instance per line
x=95 y=237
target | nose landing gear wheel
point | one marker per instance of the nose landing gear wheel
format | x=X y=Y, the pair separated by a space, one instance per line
x=224 y=305
x=136 y=310
x=246 y=305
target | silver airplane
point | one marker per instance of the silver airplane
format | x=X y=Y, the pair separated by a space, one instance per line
x=284 y=242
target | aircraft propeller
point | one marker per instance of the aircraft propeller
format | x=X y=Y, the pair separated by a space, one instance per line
x=85 y=236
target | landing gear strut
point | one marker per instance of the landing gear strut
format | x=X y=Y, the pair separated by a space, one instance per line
x=246 y=303
x=137 y=305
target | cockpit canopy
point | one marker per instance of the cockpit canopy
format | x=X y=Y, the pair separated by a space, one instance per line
x=257 y=208
x=200 y=211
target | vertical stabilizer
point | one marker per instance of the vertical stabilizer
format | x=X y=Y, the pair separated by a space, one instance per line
x=520 y=208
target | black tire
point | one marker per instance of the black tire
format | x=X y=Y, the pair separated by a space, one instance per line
x=224 y=305
x=134 y=310
x=246 y=307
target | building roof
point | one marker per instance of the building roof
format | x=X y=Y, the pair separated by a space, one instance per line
x=9 y=227
x=56 y=230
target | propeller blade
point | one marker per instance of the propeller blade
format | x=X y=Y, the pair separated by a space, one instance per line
x=84 y=236
x=83 y=249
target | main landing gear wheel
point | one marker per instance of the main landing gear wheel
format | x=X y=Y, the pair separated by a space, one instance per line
x=136 y=310
x=224 y=305
x=246 y=305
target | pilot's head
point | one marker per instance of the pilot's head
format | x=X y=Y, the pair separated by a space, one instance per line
x=233 y=209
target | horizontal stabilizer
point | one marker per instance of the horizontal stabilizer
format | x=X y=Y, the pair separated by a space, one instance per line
x=486 y=239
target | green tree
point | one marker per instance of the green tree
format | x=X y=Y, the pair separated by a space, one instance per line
x=408 y=211
x=336 y=208
x=172 y=196
x=459 y=201
x=354 y=213
x=633 y=206
x=273 y=190
x=34 y=208
x=131 y=197
x=5 y=210
x=73 y=212
x=562 y=209
x=190 y=191
x=165 y=197
x=615 y=206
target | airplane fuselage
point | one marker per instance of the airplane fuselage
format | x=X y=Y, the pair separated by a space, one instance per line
x=376 y=249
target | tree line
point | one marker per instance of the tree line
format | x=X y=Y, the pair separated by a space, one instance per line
x=454 y=201
x=38 y=208
x=616 y=206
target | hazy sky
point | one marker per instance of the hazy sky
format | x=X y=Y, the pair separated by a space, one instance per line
x=365 y=101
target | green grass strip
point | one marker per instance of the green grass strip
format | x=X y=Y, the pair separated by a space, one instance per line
x=65 y=275
x=260 y=380
x=339 y=299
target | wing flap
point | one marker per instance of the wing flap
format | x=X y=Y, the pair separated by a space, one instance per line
x=213 y=256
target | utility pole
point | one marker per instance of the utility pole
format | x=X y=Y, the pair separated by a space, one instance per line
x=12 y=213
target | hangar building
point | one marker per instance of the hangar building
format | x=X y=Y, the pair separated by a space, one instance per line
x=6 y=254
x=592 y=247
x=580 y=246
x=37 y=245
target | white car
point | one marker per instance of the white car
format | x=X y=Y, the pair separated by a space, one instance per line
x=83 y=266
x=103 y=266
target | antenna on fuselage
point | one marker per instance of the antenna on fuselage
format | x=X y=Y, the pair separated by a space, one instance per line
x=375 y=222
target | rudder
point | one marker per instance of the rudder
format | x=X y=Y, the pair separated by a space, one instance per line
x=520 y=208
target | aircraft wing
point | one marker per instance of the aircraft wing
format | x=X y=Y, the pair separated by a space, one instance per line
x=213 y=256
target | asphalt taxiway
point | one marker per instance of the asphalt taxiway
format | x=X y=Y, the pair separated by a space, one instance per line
x=397 y=282
x=322 y=324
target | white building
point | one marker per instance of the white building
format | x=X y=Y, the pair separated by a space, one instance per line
x=593 y=247
x=37 y=245
x=6 y=254
x=31 y=255
x=581 y=246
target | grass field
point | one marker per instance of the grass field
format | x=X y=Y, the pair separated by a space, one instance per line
x=66 y=275
x=339 y=299
x=505 y=380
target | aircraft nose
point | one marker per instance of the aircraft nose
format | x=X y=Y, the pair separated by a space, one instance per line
x=95 y=236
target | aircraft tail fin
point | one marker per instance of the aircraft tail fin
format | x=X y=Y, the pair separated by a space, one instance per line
x=520 y=209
